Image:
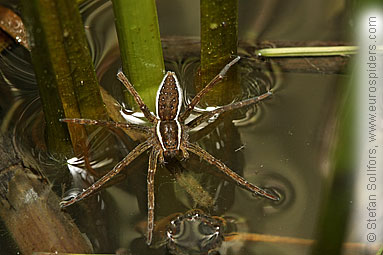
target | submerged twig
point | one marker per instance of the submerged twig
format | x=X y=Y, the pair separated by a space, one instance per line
x=254 y=237
x=30 y=210
x=11 y=23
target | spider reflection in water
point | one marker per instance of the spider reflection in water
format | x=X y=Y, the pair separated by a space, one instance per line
x=195 y=233
x=168 y=136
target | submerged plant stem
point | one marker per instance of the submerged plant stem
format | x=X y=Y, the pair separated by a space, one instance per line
x=85 y=83
x=63 y=67
x=219 y=32
x=336 y=206
x=140 y=46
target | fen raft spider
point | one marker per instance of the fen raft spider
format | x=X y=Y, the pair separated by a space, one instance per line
x=168 y=136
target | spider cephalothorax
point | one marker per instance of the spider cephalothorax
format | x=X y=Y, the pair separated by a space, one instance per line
x=168 y=136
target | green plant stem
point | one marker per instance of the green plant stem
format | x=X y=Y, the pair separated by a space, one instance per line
x=336 y=206
x=307 y=51
x=67 y=83
x=219 y=32
x=140 y=46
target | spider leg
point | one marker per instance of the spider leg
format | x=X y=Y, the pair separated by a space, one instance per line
x=227 y=171
x=207 y=115
x=206 y=89
x=145 y=110
x=104 y=123
x=150 y=180
x=116 y=169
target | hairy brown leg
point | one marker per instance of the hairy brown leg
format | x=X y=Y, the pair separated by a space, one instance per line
x=207 y=88
x=145 y=110
x=110 y=124
x=207 y=115
x=227 y=171
x=150 y=180
x=116 y=169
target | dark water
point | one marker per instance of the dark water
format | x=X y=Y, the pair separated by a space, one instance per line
x=281 y=144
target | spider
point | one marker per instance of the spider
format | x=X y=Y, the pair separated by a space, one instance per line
x=168 y=136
